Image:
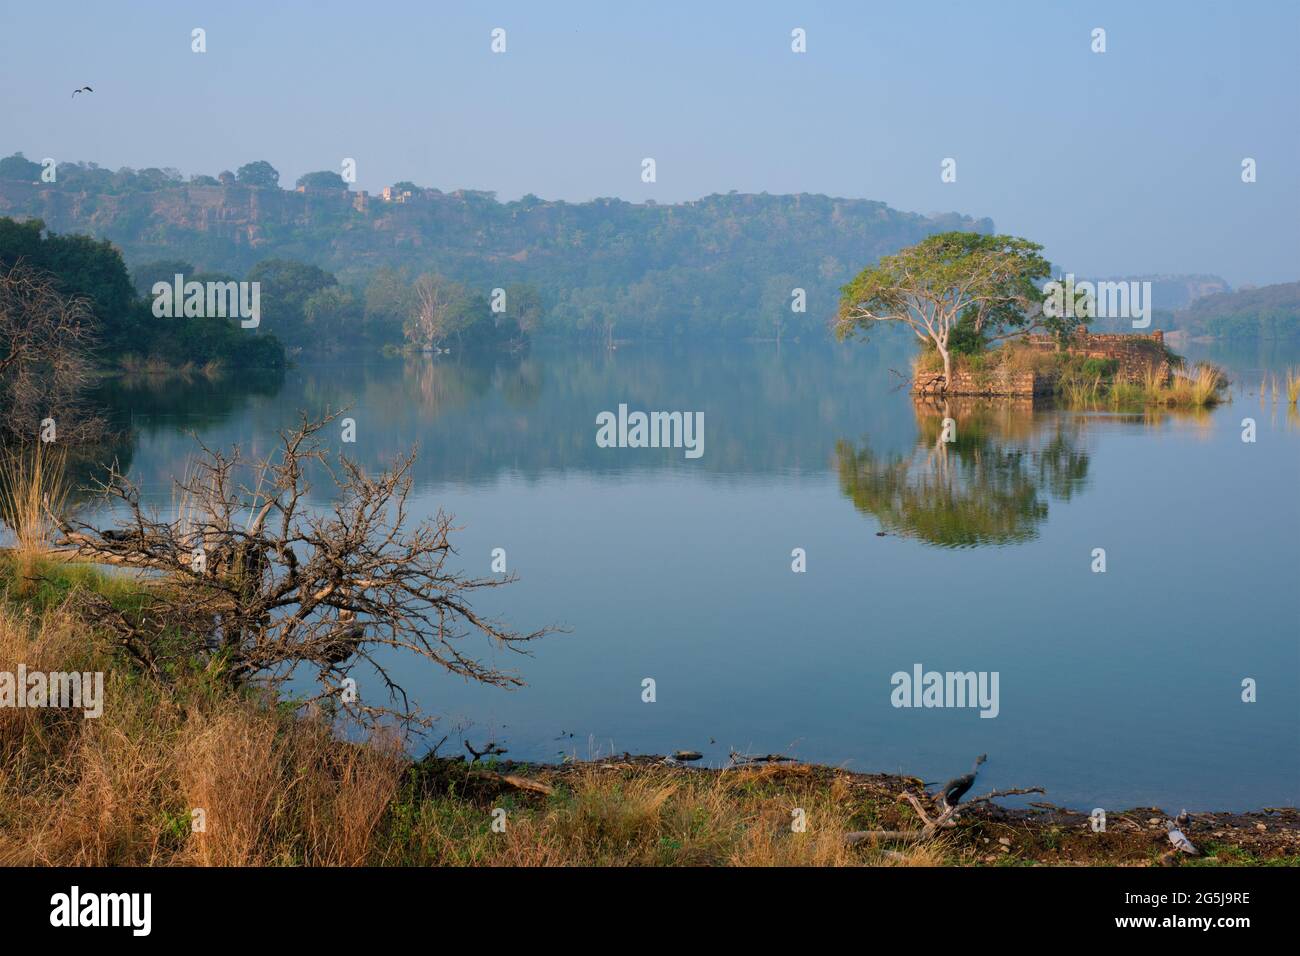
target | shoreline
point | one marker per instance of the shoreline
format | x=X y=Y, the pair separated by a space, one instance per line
x=985 y=834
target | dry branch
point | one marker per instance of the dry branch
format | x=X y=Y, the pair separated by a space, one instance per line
x=46 y=342
x=259 y=584
x=519 y=783
x=931 y=825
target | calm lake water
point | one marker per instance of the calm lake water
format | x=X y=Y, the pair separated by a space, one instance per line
x=1115 y=689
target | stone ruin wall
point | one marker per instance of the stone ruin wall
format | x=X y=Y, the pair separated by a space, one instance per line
x=1132 y=352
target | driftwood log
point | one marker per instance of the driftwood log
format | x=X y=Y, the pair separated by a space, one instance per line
x=931 y=825
x=513 y=780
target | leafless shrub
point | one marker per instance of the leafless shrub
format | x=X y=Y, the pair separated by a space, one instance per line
x=259 y=584
x=45 y=347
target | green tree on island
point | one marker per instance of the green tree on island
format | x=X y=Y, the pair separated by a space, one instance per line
x=986 y=284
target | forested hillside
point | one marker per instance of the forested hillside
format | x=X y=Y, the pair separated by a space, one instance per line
x=722 y=265
x=120 y=321
x=1269 y=312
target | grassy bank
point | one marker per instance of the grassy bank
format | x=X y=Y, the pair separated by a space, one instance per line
x=281 y=788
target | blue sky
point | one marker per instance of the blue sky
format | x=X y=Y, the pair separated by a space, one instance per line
x=1120 y=163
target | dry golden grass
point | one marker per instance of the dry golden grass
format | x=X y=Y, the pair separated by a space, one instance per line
x=278 y=789
x=654 y=817
x=1198 y=388
x=1292 y=386
x=32 y=480
x=120 y=789
x=281 y=791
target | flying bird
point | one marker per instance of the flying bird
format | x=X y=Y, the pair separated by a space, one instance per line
x=84 y=89
x=957 y=788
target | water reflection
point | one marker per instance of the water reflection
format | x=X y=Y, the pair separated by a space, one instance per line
x=989 y=484
x=613 y=543
x=195 y=399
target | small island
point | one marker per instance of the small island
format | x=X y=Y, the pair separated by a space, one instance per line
x=987 y=328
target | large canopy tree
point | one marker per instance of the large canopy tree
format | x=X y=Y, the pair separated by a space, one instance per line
x=987 y=281
x=258 y=173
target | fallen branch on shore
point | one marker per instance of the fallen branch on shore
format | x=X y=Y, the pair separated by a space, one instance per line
x=519 y=783
x=931 y=825
x=742 y=760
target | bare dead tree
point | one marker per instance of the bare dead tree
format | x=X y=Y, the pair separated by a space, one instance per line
x=432 y=321
x=45 y=357
x=267 y=584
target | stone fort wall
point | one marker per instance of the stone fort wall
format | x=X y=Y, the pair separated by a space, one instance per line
x=1135 y=353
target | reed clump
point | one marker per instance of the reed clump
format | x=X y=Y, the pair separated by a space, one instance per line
x=33 y=483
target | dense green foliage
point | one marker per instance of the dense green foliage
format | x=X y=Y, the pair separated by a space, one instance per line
x=953 y=284
x=20 y=168
x=288 y=288
x=84 y=267
x=259 y=173
x=954 y=291
x=324 y=179
x=1271 y=312
x=725 y=265
x=123 y=319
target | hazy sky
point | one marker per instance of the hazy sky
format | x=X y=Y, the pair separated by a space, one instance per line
x=1120 y=163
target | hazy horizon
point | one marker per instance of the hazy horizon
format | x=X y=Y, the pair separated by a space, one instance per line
x=1121 y=163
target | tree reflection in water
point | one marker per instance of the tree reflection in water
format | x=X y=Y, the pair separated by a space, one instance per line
x=991 y=485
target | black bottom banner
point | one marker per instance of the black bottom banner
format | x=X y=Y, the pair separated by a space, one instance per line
x=350 y=906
